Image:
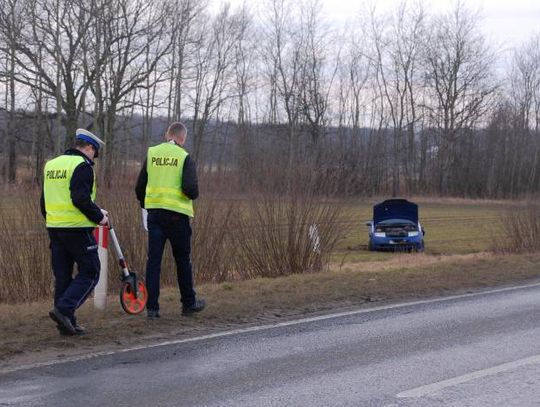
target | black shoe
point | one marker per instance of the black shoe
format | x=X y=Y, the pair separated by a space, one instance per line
x=152 y=314
x=197 y=306
x=62 y=321
x=79 y=330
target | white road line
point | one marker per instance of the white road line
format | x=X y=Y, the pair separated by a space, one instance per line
x=263 y=328
x=433 y=388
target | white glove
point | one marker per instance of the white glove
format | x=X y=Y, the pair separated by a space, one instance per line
x=144 y=215
x=105 y=220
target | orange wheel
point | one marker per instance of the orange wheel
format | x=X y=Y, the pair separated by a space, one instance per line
x=130 y=303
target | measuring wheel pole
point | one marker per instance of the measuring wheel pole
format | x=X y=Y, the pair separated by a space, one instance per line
x=128 y=277
x=101 y=234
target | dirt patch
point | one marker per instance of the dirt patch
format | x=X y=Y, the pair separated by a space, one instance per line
x=29 y=336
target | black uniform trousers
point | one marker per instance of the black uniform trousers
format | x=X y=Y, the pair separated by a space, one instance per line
x=70 y=246
x=166 y=225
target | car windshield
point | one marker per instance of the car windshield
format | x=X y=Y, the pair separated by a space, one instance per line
x=389 y=222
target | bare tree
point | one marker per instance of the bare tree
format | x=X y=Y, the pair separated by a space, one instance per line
x=397 y=41
x=135 y=40
x=318 y=68
x=188 y=15
x=214 y=73
x=11 y=22
x=459 y=83
x=525 y=96
x=282 y=56
x=354 y=100
x=51 y=47
x=245 y=74
x=4 y=94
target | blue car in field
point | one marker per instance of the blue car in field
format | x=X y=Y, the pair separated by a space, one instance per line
x=395 y=226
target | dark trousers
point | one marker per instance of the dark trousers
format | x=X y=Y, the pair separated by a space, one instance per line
x=67 y=248
x=166 y=225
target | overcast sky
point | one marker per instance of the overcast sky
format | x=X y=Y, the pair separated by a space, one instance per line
x=505 y=22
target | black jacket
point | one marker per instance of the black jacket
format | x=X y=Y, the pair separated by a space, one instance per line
x=190 y=185
x=80 y=187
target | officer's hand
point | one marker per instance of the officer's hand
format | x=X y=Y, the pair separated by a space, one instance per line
x=104 y=212
x=104 y=221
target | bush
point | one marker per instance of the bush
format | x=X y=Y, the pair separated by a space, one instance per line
x=285 y=235
x=25 y=273
x=521 y=230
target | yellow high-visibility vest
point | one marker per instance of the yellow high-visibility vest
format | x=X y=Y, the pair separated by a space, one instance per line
x=165 y=165
x=61 y=213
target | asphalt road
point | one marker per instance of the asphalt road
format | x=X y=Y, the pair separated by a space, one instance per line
x=478 y=350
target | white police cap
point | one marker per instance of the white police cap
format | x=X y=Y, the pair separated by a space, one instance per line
x=83 y=134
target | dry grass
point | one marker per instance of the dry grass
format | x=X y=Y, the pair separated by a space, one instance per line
x=521 y=230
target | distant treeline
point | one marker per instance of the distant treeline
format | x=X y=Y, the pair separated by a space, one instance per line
x=407 y=102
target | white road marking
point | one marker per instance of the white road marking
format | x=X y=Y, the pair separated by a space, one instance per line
x=12 y=395
x=263 y=328
x=433 y=388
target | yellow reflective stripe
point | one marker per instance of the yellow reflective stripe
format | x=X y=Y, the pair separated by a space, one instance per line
x=74 y=217
x=169 y=191
x=70 y=220
x=73 y=213
x=61 y=207
x=166 y=201
x=177 y=198
x=66 y=209
x=70 y=224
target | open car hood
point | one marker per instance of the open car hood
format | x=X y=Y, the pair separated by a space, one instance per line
x=395 y=209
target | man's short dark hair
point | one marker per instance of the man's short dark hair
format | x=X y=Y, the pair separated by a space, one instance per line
x=177 y=129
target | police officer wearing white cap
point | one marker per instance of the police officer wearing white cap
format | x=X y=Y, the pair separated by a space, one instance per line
x=67 y=204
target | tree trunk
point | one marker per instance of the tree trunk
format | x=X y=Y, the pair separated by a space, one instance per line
x=12 y=152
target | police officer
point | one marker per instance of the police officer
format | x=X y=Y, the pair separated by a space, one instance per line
x=166 y=187
x=67 y=203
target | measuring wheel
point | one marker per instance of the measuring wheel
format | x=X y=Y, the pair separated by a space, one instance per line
x=133 y=303
x=133 y=293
